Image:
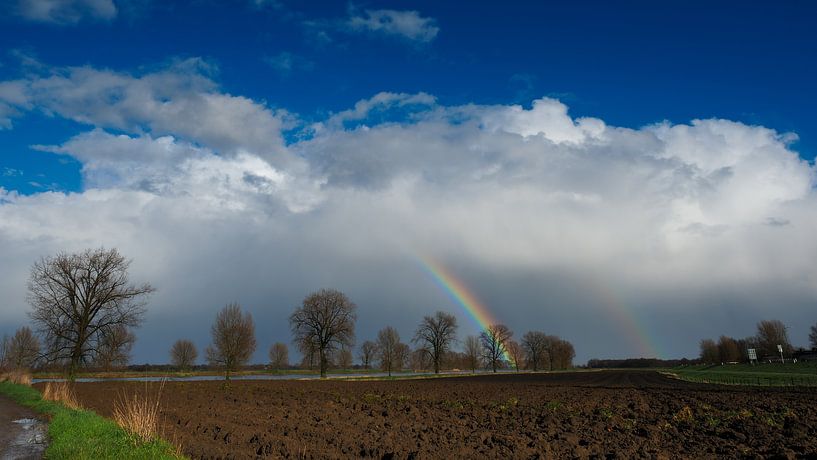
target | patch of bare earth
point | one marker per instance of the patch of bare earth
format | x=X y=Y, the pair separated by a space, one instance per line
x=596 y=415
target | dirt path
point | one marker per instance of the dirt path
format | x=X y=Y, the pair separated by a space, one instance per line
x=22 y=435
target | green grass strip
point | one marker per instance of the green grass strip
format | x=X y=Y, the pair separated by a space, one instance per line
x=80 y=434
x=776 y=374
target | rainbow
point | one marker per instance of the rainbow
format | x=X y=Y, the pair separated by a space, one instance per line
x=625 y=318
x=460 y=294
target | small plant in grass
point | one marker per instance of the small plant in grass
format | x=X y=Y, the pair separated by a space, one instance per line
x=684 y=415
x=63 y=393
x=139 y=415
x=453 y=404
x=712 y=422
x=554 y=405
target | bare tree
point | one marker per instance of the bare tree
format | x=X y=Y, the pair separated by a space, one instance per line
x=419 y=359
x=325 y=321
x=343 y=358
x=535 y=346
x=402 y=356
x=5 y=344
x=812 y=337
x=114 y=348
x=770 y=334
x=472 y=352
x=728 y=350
x=183 y=354
x=309 y=353
x=494 y=340
x=387 y=341
x=561 y=354
x=515 y=353
x=367 y=353
x=435 y=335
x=75 y=298
x=23 y=349
x=709 y=351
x=279 y=355
x=233 y=339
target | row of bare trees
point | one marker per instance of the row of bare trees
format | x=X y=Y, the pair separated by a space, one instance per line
x=492 y=349
x=85 y=308
x=769 y=334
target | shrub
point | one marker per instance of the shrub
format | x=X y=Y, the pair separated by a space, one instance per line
x=63 y=393
x=139 y=415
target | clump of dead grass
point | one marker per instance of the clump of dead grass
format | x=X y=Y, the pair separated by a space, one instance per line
x=139 y=414
x=18 y=376
x=63 y=393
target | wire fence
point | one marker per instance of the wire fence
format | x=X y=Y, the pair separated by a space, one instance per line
x=753 y=380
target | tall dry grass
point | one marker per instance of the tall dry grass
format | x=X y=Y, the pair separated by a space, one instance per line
x=139 y=414
x=19 y=377
x=63 y=393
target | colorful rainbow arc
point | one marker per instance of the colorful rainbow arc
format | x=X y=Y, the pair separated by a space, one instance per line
x=460 y=294
x=625 y=317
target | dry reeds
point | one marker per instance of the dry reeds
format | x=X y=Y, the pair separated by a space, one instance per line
x=17 y=376
x=139 y=414
x=63 y=393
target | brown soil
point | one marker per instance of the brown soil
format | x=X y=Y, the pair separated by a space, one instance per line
x=16 y=442
x=611 y=414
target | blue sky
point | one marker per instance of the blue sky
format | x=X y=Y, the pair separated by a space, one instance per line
x=630 y=65
x=587 y=168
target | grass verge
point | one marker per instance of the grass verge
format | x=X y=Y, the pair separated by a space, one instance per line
x=84 y=434
x=776 y=374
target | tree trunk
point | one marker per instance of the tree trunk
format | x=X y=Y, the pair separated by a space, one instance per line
x=323 y=363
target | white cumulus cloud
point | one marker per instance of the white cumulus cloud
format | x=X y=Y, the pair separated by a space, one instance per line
x=405 y=24
x=530 y=205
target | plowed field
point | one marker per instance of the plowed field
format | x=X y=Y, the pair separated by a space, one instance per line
x=608 y=414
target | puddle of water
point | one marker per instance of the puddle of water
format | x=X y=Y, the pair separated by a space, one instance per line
x=30 y=443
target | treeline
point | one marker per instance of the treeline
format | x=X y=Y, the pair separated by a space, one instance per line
x=85 y=310
x=637 y=363
x=769 y=334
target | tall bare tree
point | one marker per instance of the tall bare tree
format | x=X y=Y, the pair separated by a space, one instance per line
x=435 y=335
x=516 y=354
x=812 y=337
x=23 y=349
x=728 y=350
x=387 y=343
x=75 y=298
x=279 y=355
x=561 y=354
x=472 y=352
x=183 y=354
x=325 y=321
x=233 y=339
x=770 y=334
x=114 y=348
x=494 y=341
x=535 y=346
x=367 y=353
x=709 y=351
x=4 y=352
